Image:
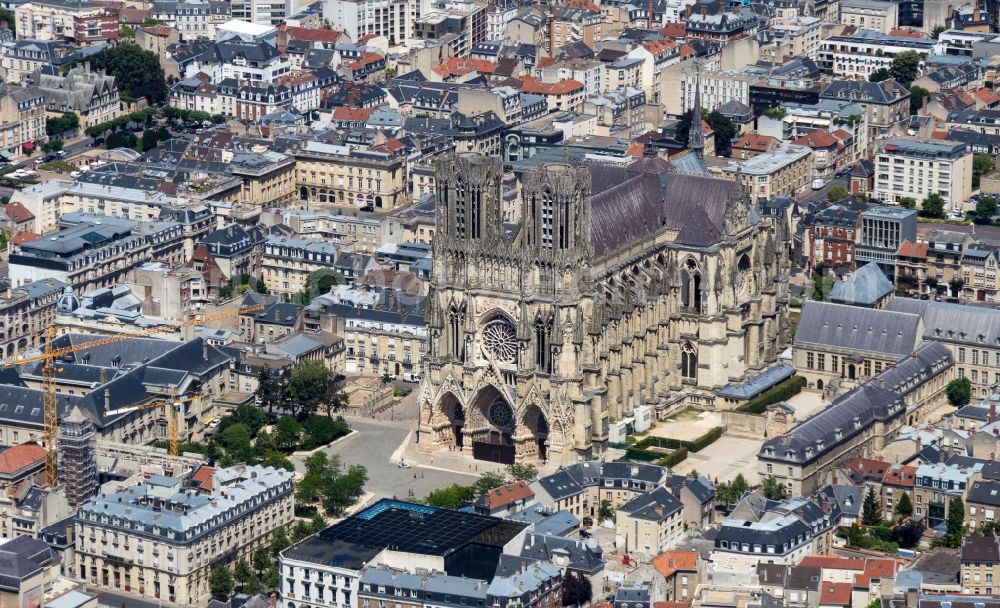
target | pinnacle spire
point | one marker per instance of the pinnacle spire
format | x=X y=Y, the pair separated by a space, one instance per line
x=696 y=137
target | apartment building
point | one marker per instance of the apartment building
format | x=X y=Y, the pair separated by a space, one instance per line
x=161 y=539
x=858 y=55
x=389 y=18
x=373 y=178
x=25 y=313
x=878 y=15
x=886 y=104
x=288 y=261
x=96 y=251
x=982 y=503
x=92 y=96
x=21 y=58
x=916 y=168
x=650 y=523
x=783 y=171
x=936 y=484
x=22 y=119
x=832 y=236
x=63 y=20
x=980 y=565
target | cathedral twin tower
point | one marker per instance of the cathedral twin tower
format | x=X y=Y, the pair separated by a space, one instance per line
x=596 y=293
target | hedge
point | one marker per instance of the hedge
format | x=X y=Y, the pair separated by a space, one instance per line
x=674 y=459
x=779 y=392
x=640 y=451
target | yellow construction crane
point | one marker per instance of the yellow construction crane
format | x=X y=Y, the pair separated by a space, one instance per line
x=49 y=355
x=170 y=409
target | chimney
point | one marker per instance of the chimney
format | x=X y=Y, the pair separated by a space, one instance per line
x=204 y=350
x=704 y=10
x=993 y=411
x=552 y=31
x=649 y=15
x=913 y=356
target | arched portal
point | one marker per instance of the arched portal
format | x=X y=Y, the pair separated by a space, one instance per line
x=492 y=430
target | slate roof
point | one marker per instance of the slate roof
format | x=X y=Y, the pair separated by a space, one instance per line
x=847 y=416
x=859 y=329
x=924 y=363
x=658 y=506
x=884 y=92
x=582 y=556
x=866 y=286
x=980 y=549
x=985 y=493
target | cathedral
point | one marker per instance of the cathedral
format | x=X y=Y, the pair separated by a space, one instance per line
x=614 y=288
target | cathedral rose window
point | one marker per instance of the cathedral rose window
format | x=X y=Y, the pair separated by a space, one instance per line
x=501 y=416
x=500 y=340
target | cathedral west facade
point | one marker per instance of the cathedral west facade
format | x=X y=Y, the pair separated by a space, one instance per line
x=614 y=288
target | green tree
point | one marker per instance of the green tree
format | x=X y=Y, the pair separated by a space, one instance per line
x=955 y=523
x=917 y=97
x=319 y=430
x=959 y=392
x=7 y=17
x=220 y=583
x=287 y=433
x=320 y=473
x=308 y=386
x=261 y=559
x=837 y=193
x=249 y=416
x=936 y=32
x=121 y=139
x=871 y=513
x=605 y=511
x=300 y=531
x=908 y=202
x=576 y=589
x=261 y=286
x=242 y=573
x=269 y=389
x=345 y=490
x=454 y=496
x=520 y=471
x=731 y=491
x=278 y=460
x=933 y=206
x=53 y=145
x=488 y=481
x=254 y=587
x=328 y=280
x=57 y=125
x=335 y=398
x=773 y=489
x=904 y=508
x=126 y=32
x=905 y=67
x=271 y=577
x=137 y=71
x=279 y=542
x=986 y=208
x=386 y=378
x=981 y=165
x=817 y=289
x=879 y=75
x=236 y=440
x=725 y=130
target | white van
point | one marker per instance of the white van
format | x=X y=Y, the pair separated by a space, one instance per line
x=411 y=377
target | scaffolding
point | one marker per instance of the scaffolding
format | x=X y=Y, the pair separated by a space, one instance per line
x=76 y=443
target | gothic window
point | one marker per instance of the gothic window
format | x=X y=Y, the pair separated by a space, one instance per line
x=564 y=226
x=460 y=208
x=500 y=414
x=547 y=220
x=689 y=362
x=500 y=341
x=543 y=357
x=745 y=277
x=691 y=287
x=455 y=333
x=477 y=215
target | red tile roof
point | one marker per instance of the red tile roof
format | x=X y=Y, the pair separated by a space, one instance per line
x=21 y=456
x=365 y=59
x=24 y=236
x=904 y=475
x=867 y=468
x=504 y=495
x=669 y=562
x=835 y=594
x=635 y=150
x=902 y=31
x=842 y=135
x=910 y=249
x=203 y=477
x=158 y=30
x=817 y=139
x=675 y=30
x=988 y=96
x=755 y=142
x=530 y=84
x=458 y=66
x=313 y=34
x=16 y=212
x=687 y=50
x=659 y=46
x=875 y=569
x=352 y=114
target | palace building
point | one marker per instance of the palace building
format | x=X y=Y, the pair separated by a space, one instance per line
x=614 y=288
